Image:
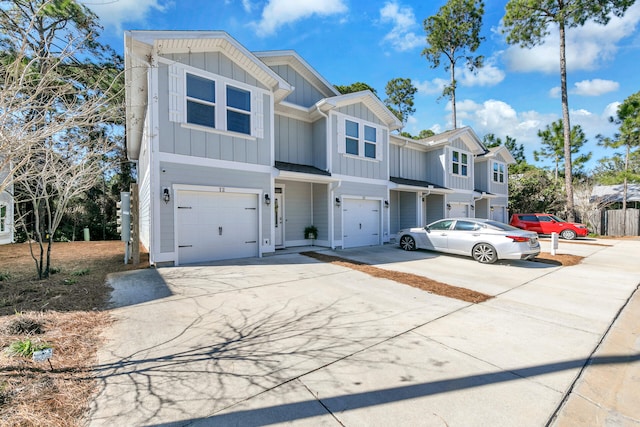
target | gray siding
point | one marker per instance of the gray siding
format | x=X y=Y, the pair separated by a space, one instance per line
x=481 y=176
x=394 y=160
x=457 y=181
x=394 y=212
x=321 y=210
x=360 y=111
x=173 y=173
x=144 y=193
x=213 y=145
x=320 y=144
x=414 y=164
x=305 y=93
x=293 y=141
x=435 y=169
x=216 y=63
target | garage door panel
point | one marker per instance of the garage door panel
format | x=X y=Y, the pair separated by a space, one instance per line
x=216 y=226
x=361 y=223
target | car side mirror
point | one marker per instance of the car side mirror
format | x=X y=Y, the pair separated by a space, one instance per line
x=427 y=229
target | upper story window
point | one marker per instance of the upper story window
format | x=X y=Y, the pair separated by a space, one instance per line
x=359 y=139
x=214 y=102
x=370 y=140
x=459 y=163
x=3 y=218
x=352 y=137
x=498 y=172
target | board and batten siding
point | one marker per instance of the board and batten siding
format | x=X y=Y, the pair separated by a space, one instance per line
x=293 y=141
x=500 y=188
x=436 y=168
x=394 y=160
x=175 y=138
x=321 y=210
x=360 y=111
x=408 y=210
x=319 y=129
x=414 y=164
x=305 y=94
x=459 y=182
x=175 y=173
x=482 y=176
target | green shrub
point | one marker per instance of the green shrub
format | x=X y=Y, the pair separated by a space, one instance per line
x=81 y=272
x=25 y=348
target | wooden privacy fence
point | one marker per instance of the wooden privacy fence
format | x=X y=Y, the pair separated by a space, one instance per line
x=612 y=222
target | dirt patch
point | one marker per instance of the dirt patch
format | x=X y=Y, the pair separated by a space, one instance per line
x=564 y=260
x=64 y=312
x=420 y=282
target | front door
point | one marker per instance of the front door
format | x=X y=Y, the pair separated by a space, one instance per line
x=278 y=215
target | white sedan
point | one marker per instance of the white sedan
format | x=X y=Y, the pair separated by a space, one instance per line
x=483 y=239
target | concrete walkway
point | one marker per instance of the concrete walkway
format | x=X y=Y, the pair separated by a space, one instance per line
x=289 y=340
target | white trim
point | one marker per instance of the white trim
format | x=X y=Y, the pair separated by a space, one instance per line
x=360 y=180
x=154 y=162
x=213 y=163
x=342 y=135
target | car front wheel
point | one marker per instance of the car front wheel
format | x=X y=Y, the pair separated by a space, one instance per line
x=484 y=253
x=568 y=234
x=407 y=243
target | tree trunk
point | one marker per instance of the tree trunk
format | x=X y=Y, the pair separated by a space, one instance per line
x=624 y=193
x=453 y=96
x=566 y=126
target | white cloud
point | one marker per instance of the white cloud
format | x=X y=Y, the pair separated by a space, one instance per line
x=402 y=36
x=611 y=110
x=281 y=12
x=433 y=87
x=595 y=87
x=489 y=75
x=555 y=92
x=587 y=46
x=114 y=14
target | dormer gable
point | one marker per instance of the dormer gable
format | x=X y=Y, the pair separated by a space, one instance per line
x=369 y=100
x=500 y=154
x=466 y=135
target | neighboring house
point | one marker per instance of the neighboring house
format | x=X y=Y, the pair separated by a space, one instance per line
x=606 y=195
x=6 y=213
x=239 y=151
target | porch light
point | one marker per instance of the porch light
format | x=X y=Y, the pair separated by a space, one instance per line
x=338 y=201
x=386 y=203
x=165 y=195
x=491 y=208
x=448 y=206
x=473 y=208
x=267 y=200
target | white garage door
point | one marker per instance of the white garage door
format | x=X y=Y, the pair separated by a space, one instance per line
x=216 y=226
x=459 y=210
x=361 y=223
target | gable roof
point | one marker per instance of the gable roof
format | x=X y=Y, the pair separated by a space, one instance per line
x=140 y=46
x=499 y=152
x=366 y=97
x=466 y=134
x=295 y=61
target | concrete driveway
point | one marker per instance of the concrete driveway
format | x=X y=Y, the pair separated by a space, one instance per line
x=290 y=340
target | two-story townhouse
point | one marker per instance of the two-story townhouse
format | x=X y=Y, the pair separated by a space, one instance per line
x=491 y=183
x=238 y=152
x=435 y=177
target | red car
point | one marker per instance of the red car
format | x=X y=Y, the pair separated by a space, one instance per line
x=547 y=224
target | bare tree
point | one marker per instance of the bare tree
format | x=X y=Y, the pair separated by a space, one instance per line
x=58 y=112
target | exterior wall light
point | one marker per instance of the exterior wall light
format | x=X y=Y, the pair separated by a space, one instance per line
x=338 y=201
x=267 y=200
x=448 y=206
x=386 y=204
x=165 y=195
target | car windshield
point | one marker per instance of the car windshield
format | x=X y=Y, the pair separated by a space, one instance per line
x=557 y=219
x=501 y=226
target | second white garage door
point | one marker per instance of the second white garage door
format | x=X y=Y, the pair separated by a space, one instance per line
x=458 y=210
x=215 y=226
x=361 y=223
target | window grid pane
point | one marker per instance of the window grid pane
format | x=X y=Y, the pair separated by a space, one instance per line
x=352 y=146
x=238 y=122
x=351 y=128
x=201 y=114
x=370 y=150
x=238 y=98
x=369 y=134
x=201 y=88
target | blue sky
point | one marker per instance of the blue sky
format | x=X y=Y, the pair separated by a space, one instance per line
x=515 y=94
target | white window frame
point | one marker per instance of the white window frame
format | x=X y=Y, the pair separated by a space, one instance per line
x=178 y=102
x=459 y=163
x=362 y=141
x=498 y=173
x=3 y=217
